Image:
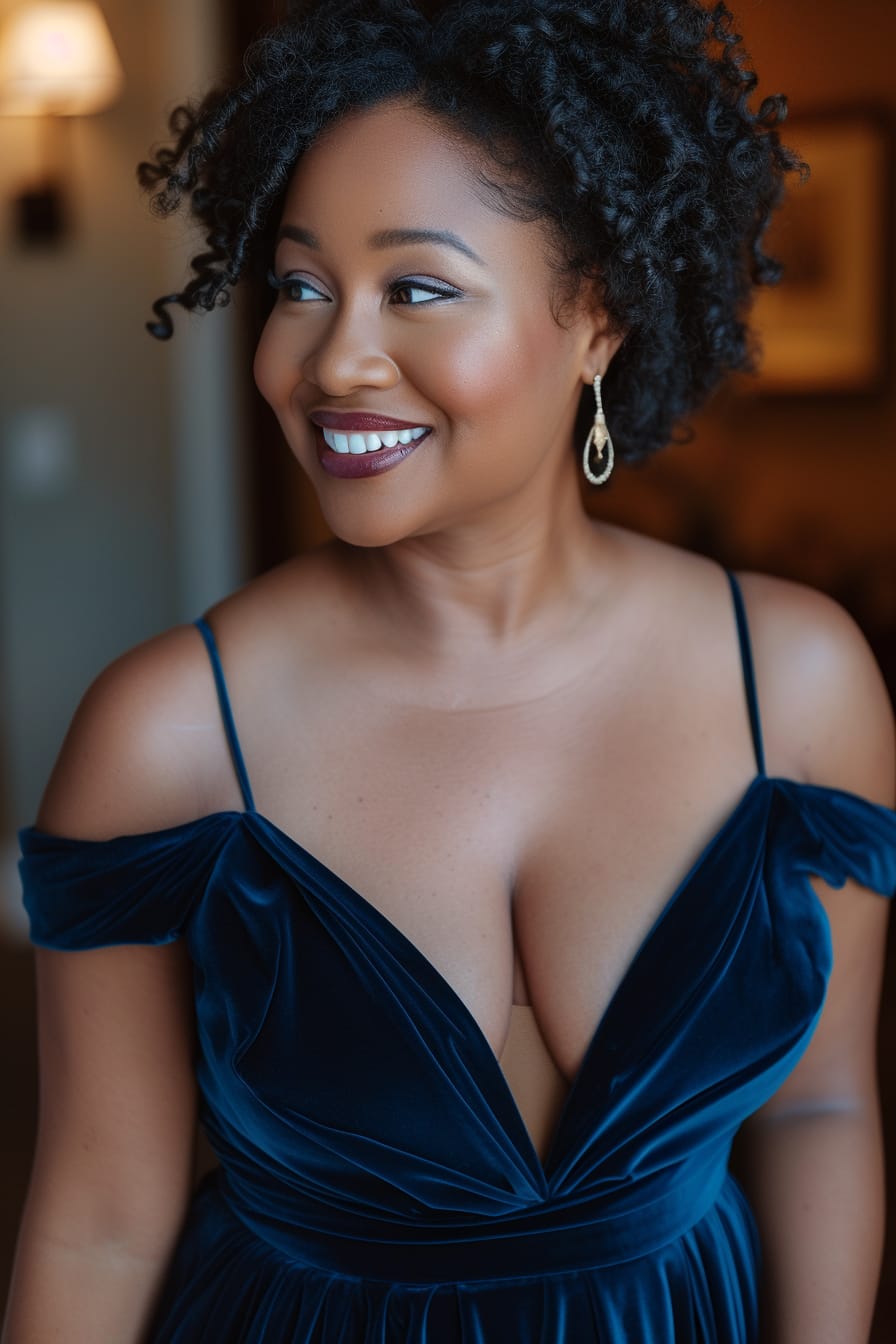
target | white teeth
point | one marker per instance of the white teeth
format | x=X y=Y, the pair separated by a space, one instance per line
x=370 y=443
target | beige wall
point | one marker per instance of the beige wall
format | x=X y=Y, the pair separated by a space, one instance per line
x=142 y=528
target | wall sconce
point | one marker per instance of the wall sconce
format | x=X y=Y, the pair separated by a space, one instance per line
x=57 y=60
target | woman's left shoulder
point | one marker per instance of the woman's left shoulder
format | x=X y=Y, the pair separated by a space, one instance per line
x=825 y=709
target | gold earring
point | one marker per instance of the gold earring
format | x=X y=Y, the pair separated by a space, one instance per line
x=599 y=439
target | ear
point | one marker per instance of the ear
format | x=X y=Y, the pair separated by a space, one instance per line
x=605 y=341
x=601 y=339
x=600 y=355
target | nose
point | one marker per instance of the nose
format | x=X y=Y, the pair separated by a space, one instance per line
x=350 y=354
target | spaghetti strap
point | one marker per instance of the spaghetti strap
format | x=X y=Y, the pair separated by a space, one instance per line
x=746 y=658
x=226 y=713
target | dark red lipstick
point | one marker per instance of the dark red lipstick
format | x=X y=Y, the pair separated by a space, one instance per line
x=360 y=422
x=354 y=466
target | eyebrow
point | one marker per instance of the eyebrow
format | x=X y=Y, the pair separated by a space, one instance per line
x=390 y=238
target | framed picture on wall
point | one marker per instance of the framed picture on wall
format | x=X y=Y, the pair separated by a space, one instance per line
x=823 y=328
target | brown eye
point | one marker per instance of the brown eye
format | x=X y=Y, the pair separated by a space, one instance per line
x=295 y=288
x=416 y=294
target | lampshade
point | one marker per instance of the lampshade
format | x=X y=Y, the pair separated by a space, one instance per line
x=57 y=56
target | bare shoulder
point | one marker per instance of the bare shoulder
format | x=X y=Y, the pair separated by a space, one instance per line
x=824 y=708
x=132 y=758
x=146 y=748
x=289 y=605
x=826 y=714
x=293 y=622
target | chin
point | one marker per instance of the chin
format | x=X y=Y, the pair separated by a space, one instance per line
x=366 y=531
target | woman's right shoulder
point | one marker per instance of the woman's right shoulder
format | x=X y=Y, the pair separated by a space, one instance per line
x=141 y=745
x=146 y=748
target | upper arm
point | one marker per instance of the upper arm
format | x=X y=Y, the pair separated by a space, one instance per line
x=827 y=720
x=114 y=1152
x=117 y=1096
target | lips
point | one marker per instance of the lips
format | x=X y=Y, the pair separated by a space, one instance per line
x=348 y=422
x=353 y=444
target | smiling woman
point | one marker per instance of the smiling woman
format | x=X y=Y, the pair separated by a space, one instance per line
x=542 y=861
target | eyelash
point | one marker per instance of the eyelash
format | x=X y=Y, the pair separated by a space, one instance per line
x=292 y=286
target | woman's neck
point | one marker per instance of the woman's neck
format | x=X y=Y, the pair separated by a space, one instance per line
x=485 y=588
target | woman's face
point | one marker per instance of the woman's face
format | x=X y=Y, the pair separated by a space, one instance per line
x=411 y=309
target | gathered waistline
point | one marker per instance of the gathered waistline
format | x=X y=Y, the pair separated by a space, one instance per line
x=549 y=1238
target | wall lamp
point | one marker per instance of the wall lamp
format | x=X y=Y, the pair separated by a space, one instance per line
x=57 y=61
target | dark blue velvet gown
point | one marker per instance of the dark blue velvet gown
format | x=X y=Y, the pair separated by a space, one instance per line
x=377 y=1183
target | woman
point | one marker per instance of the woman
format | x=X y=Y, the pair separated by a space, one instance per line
x=482 y=840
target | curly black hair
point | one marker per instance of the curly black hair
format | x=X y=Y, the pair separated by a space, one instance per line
x=624 y=125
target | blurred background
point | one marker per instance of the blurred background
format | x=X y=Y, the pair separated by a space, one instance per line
x=139 y=481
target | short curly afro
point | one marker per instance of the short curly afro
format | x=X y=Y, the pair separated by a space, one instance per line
x=624 y=125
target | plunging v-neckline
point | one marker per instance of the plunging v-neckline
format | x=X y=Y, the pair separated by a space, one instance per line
x=546 y=1170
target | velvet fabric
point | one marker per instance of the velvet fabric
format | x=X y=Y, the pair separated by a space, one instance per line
x=376 y=1181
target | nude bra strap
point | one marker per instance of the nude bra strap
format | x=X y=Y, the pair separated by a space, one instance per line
x=746 y=658
x=226 y=713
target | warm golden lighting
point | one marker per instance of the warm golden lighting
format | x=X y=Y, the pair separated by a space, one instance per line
x=57 y=57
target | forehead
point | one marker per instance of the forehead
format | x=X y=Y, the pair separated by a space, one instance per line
x=394 y=166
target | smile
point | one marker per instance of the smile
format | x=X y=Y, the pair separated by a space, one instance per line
x=370 y=443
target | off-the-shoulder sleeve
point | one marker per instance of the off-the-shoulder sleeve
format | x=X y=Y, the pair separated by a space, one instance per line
x=840 y=835
x=81 y=894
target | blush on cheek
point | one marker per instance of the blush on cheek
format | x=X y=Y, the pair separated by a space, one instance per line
x=471 y=372
x=483 y=378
